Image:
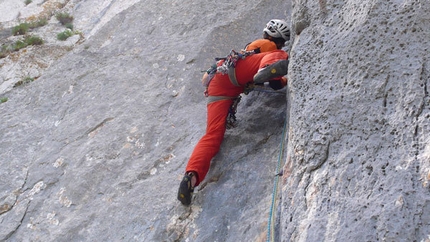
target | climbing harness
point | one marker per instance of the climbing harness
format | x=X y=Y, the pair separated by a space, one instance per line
x=212 y=99
x=211 y=73
x=227 y=67
x=231 y=60
x=231 y=117
x=271 y=222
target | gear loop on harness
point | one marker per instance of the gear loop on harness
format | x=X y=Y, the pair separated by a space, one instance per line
x=231 y=60
x=227 y=66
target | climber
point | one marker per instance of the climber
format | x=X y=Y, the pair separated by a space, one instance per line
x=275 y=34
x=222 y=91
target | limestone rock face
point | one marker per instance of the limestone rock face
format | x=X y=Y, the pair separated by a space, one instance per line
x=358 y=164
x=94 y=148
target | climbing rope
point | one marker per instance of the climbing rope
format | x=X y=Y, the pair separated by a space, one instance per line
x=270 y=229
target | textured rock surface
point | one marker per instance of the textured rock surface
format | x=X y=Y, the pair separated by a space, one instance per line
x=358 y=150
x=95 y=147
x=31 y=62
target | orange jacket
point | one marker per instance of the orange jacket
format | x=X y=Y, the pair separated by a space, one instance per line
x=262 y=45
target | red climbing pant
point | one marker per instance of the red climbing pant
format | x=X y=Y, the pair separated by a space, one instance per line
x=209 y=144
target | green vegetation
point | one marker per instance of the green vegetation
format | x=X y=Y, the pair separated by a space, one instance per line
x=6 y=49
x=69 y=26
x=28 y=40
x=64 y=18
x=23 y=28
x=27 y=2
x=19 y=45
x=64 y=35
x=33 y=40
x=39 y=23
x=3 y=99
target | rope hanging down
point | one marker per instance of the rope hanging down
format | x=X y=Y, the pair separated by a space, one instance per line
x=270 y=229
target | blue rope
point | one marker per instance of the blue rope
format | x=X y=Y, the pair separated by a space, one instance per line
x=270 y=234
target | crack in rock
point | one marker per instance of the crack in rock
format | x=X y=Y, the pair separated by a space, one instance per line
x=181 y=225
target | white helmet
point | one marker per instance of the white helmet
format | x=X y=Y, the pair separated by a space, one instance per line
x=277 y=28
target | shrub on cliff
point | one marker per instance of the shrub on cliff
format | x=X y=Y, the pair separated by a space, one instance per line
x=64 y=18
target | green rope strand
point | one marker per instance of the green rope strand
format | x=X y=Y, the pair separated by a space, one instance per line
x=270 y=232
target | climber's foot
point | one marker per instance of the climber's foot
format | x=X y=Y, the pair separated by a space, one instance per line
x=186 y=189
x=277 y=69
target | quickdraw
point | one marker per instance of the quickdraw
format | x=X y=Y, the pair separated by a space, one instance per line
x=227 y=67
x=231 y=60
x=231 y=117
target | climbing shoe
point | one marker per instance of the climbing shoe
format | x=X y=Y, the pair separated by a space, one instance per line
x=185 y=189
x=277 y=69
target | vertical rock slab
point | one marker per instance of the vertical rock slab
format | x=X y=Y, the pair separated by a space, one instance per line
x=359 y=130
x=94 y=150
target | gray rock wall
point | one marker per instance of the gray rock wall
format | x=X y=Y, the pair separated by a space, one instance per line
x=95 y=147
x=358 y=165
